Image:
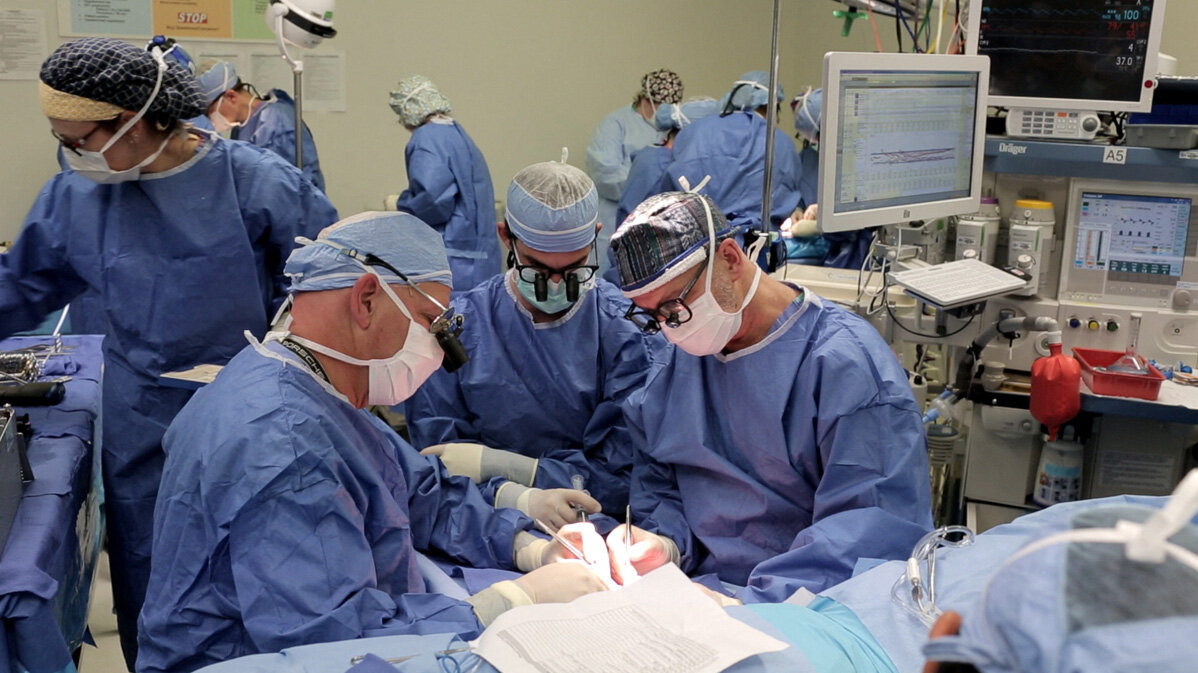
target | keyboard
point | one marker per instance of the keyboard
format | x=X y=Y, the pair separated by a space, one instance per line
x=964 y=281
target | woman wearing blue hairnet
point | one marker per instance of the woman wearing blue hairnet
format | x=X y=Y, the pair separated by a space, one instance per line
x=449 y=185
x=180 y=236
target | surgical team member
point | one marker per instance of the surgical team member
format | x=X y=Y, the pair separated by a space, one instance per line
x=449 y=185
x=290 y=515
x=779 y=442
x=804 y=242
x=551 y=361
x=618 y=136
x=181 y=236
x=730 y=148
x=266 y=121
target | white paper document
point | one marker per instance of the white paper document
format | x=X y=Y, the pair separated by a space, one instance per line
x=663 y=623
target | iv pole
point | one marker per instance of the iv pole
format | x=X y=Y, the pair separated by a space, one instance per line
x=297 y=71
x=770 y=120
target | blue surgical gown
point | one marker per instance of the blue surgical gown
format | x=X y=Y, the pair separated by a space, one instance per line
x=779 y=465
x=287 y=517
x=609 y=158
x=552 y=391
x=731 y=149
x=178 y=264
x=272 y=125
x=646 y=178
x=449 y=187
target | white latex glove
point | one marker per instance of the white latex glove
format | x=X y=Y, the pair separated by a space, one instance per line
x=480 y=462
x=720 y=599
x=554 y=506
x=560 y=582
x=648 y=552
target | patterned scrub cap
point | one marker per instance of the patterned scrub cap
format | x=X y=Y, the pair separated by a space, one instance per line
x=96 y=78
x=662 y=86
x=663 y=237
x=417 y=98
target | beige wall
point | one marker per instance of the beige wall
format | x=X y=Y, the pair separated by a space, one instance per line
x=526 y=77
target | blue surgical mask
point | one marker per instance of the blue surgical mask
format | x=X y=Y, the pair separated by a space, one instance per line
x=555 y=301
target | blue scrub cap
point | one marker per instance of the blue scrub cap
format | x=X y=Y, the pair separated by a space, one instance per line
x=806 y=109
x=216 y=80
x=1116 y=591
x=402 y=240
x=750 y=92
x=115 y=72
x=417 y=98
x=670 y=116
x=663 y=237
x=552 y=207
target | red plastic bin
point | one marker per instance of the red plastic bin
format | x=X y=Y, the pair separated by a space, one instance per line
x=1144 y=386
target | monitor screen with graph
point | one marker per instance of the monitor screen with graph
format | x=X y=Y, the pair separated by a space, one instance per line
x=1069 y=54
x=901 y=138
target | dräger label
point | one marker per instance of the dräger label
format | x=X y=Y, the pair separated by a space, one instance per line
x=1012 y=148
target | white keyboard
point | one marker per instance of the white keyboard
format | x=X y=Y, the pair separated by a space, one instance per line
x=955 y=283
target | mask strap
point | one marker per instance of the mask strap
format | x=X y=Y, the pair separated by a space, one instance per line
x=565 y=154
x=419 y=87
x=157 y=54
x=686 y=185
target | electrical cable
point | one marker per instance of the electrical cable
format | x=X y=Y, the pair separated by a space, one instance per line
x=903 y=327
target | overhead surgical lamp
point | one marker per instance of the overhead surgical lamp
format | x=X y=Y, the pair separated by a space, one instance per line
x=304 y=24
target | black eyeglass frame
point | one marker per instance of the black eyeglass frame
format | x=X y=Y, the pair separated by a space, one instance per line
x=541 y=275
x=74 y=145
x=675 y=310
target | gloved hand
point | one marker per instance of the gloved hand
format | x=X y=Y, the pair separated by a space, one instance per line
x=554 y=506
x=720 y=599
x=480 y=462
x=648 y=551
x=560 y=582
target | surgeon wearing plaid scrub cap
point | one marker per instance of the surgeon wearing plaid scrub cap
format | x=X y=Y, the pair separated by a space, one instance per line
x=178 y=238
x=537 y=408
x=449 y=184
x=618 y=136
x=779 y=442
x=291 y=515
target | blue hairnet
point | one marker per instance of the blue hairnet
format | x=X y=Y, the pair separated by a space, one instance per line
x=750 y=91
x=552 y=207
x=1085 y=605
x=218 y=79
x=670 y=116
x=400 y=239
x=807 y=108
x=662 y=238
x=118 y=73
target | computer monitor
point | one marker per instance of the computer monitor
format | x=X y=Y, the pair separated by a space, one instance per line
x=1130 y=243
x=1096 y=55
x=901 y=138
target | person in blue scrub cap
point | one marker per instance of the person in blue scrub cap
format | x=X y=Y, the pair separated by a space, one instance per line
x=535 y=417
x=728 y=150
x=266 y=121
x=804 y=243
x=449 y=184
x=173 y=283
x=619 y=135
x=779 y=442
x=289 y=514
x=1117 y=591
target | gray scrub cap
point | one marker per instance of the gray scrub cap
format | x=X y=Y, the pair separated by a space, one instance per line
x=402 y=240
x=416 y=98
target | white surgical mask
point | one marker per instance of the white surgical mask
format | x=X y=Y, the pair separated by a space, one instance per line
x=93 y=166
x=220 y=123
x=393 y=379
x=711 y=328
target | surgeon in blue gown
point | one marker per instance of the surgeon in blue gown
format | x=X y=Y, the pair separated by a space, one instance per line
x=449 y=185
x=804 y=242
x=289 y=514
x=180 y=238
x=539 y=402
x=266 y=121
x=619 y=135
x=779 y=442
x=730 y=148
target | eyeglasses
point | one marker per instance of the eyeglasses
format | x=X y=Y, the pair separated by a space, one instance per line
x=673 y=312
x=538 y=275
x=915 y=589
x=74 y=145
